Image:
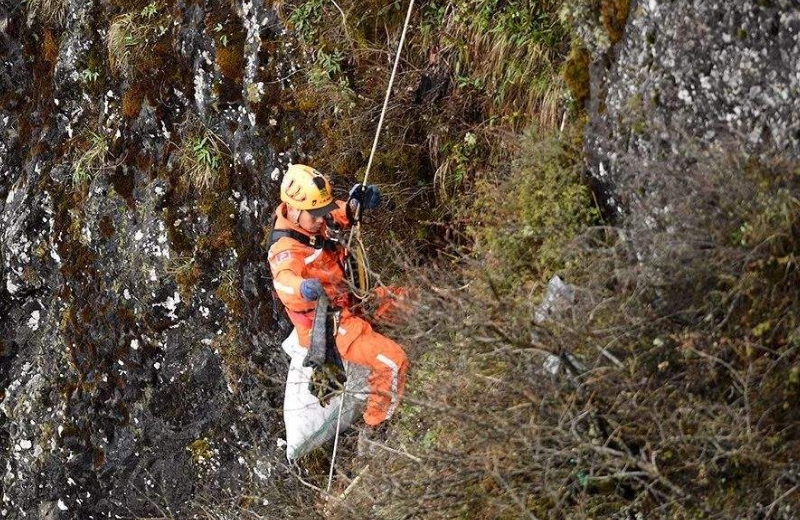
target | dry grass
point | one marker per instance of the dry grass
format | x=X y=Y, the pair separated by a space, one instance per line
x=91 y=159
x=48 y=12
x=678 y=360
x=121 y=37
x=132 y=36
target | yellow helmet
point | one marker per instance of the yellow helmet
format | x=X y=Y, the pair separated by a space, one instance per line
x=305 y=188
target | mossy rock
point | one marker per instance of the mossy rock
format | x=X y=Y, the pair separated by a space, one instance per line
x=576 y=74
x=132 y=101
x=614 y=16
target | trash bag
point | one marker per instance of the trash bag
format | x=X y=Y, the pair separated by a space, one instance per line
x=558 y=298
x=309 y=425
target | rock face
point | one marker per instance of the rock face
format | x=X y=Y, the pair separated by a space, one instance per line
x=139 y=343
x=139 y=354
x=692 y=81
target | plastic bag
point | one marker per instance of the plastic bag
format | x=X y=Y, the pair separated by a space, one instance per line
x=309 y=424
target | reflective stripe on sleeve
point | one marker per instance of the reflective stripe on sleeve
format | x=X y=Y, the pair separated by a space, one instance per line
x=307 y=260
x=283 y=288
x=393 y=366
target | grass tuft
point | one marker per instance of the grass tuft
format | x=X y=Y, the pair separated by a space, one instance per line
x=47 y=12
x=132 y=38
x=91 y=160
x=201 y=157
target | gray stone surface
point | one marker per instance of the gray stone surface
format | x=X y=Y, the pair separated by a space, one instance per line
x=689 y=81
x=125 y=393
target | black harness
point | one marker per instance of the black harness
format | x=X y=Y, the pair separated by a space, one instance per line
x=315 y=241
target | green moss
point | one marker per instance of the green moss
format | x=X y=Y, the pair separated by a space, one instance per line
x=201 y=449
x=576 y=74
x=529 y=218
x=614 y=16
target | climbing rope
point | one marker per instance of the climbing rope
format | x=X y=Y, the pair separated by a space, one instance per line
x=385 y=105
x=389 y=90
x=357 y=230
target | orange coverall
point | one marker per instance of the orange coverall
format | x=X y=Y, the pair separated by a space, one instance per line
x=292 y=262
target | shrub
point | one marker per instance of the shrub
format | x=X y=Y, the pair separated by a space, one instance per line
x=675 y=365
x=466 y=423
x=525 y=215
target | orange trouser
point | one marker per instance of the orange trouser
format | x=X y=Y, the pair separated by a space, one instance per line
x=358 y=343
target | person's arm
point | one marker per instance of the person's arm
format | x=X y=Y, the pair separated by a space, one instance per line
x=286 y=264
x=339 y=215
x=368 y=197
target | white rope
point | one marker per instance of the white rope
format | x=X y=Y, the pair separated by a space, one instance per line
x=357 y=229
x=389 y=90
x=335 y=441
x=364 y=183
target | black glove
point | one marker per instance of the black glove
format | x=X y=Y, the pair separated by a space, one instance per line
x=372 y=197
x=363 y=197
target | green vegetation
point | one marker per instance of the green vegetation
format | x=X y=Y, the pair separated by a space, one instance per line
x=132 y=38
x=505 y=53
x=89 y=75
x=90 y=158
x=201 y=158
x=472 y=72
x=576 y=73
x=539 y=205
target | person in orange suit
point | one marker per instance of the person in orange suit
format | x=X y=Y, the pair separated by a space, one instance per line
x=306 y=263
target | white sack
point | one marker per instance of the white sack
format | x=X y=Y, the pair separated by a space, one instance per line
x=308 y=424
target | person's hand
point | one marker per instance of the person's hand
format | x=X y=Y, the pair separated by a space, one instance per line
x=368 y=196
x=311 y=289
x=372 y=197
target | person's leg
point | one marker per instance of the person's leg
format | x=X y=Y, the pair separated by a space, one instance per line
x=386 y=360
x=388 y=304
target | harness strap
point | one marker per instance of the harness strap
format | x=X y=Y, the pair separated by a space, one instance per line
x=315 y=241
